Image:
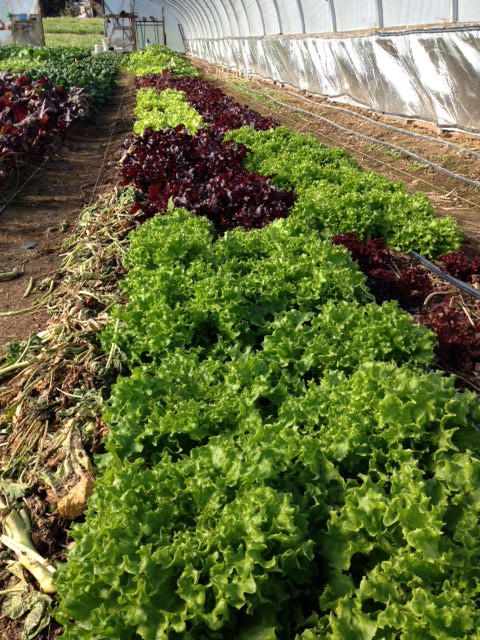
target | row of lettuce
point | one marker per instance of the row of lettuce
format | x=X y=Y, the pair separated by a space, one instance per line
x=283 y=461
x=42 y=93
x=199 y=168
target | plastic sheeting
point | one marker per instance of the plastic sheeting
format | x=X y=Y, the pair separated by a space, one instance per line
x=21 y=23
x=396 y=14
x=172 y=31
x=375 y=53
x=147 y=25
x=351 y=16
x=468 y=11
x=248 y=18
x=318 y=18
x=433 y=75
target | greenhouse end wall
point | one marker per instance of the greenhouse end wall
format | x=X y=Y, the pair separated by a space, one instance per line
x=427 y=74
x=21 y=23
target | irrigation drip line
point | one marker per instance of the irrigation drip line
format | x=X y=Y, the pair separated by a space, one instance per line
x=390 y=127
x=450 y=279
x=421 y=159
x=8 y=200
x=252 y=93
x=374 y=159
x=107 y=149
x=429 y=265
x=410 y=154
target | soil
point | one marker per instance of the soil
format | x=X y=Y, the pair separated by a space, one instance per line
x=48 y=204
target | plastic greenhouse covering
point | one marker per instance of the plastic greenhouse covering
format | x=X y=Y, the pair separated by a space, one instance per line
x=20 y=23
x=412 y=59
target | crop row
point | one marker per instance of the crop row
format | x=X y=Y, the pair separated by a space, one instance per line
x=325 y=190
x=282 y=462
x=65 y=66
x=332 y=193
x=42 y=92
x=34 y=115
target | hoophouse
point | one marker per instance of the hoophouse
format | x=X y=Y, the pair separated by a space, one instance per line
x=410 y=58
x=21 y=23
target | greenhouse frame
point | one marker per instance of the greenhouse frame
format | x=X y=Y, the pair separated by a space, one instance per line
x=412 y=59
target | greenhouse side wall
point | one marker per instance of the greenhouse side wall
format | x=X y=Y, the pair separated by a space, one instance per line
x=427 y=74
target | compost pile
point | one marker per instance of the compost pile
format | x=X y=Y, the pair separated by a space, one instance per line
x=243 y=338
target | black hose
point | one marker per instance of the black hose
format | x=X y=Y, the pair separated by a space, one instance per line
x=456 y=283
x=451 y=174
x=390 y=127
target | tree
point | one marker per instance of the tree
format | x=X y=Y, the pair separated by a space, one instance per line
x=52 y=8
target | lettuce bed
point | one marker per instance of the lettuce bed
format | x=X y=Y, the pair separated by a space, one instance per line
x=42 y=92
x=335 y=196
x=282 y=462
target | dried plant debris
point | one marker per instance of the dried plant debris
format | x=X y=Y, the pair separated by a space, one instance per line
x=50 y=408
x=63 y=370
x=68 y=473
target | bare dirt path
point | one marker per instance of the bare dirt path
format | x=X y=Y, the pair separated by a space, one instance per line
x=35 y=225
